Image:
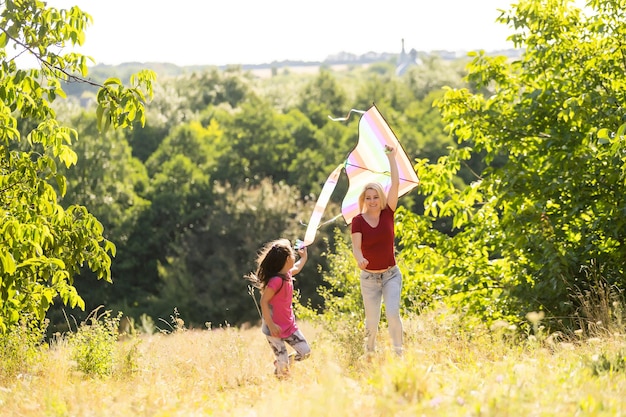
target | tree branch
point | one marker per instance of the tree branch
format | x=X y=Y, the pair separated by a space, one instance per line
x=70 y=77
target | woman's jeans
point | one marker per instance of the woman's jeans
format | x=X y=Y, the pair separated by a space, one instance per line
x=385 y=286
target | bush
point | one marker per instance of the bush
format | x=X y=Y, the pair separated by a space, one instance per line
x=343 y=306
x=93 y=344
x=20 y=347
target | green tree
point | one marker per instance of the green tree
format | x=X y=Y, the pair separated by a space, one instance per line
x=166 y=110
x=181 y=193
x=323 y=97
x=203 y=275
x=261 y=144
x=44 y=246
x=112 y=185
x=433 y=74
x=106 y=179
x=528 y=227
x=386 y=90
x=214 y=87
x=203 y=145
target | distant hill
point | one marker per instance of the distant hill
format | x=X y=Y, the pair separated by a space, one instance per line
x=99 y=73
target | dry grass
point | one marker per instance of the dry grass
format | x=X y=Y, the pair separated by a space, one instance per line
x=229 y=372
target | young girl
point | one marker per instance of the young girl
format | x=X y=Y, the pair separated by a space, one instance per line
x=276 y=266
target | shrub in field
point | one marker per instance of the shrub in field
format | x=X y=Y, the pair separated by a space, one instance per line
x=20 y=347
x=608 y=363
x=599 y=303
x=343 y=305
x=94 y=342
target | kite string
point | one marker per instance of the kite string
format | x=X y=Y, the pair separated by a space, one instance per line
x=323 y=224
x=378 y=172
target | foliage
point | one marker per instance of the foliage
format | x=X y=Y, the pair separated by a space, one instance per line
x=180 y=195
x=261 y=144
x=203 y=264
x=213 y=87
x=322 y=97
x=203 y=145
x=342 y=296
x=605 y=362
x=106 y=178
x=161 y=209
x=424 y=284
x=342 y=301
x=112 y=185
x=94 y=342
x=21 y=347
x=45 y=245
x=210 y=133
x=523 y=230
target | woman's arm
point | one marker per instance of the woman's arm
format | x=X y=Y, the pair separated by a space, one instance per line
x=356 y=250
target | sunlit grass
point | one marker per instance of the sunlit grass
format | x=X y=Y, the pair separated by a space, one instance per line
x=229 y=372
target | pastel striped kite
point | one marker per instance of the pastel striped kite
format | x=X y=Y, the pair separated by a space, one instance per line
x=365 y=163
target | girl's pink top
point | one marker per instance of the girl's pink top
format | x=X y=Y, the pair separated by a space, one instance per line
x=281 y=305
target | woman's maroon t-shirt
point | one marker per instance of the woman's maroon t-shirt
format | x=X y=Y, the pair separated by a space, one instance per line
x=377 y=243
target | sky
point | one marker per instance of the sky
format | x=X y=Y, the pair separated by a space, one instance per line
x=209 y=32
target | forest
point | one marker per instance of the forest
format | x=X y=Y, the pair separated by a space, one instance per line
x=150 y=194
x=227 y=161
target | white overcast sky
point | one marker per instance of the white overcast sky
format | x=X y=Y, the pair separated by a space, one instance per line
x=208 y=32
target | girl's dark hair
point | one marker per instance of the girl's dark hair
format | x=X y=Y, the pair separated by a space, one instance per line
x=270 y=260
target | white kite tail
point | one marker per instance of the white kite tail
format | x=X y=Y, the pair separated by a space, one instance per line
x=320 y=205
x=343 y=119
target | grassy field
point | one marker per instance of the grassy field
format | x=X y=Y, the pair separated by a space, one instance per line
x=228 y=372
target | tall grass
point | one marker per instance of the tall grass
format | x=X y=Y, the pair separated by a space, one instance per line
x=446 y=371
x=20 y=348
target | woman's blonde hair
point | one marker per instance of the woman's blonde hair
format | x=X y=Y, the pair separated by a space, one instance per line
x=381 y=194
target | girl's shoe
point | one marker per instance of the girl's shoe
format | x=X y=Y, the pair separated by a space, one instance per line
x=280 y=374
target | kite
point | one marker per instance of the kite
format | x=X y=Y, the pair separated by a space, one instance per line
x=365 y=163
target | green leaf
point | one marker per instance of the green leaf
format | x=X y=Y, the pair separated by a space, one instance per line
x=8 y=263
x=68 y=156
x=113 y=82
x=603 y=135
x=61 y=183
x=621 y=130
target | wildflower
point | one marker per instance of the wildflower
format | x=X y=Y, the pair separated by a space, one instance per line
x=535 y=317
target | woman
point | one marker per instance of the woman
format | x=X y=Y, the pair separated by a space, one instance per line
x=374 y=250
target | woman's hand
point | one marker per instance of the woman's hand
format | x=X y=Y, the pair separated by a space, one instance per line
x=362 y=262
x=392 y=194
x=390 y=151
